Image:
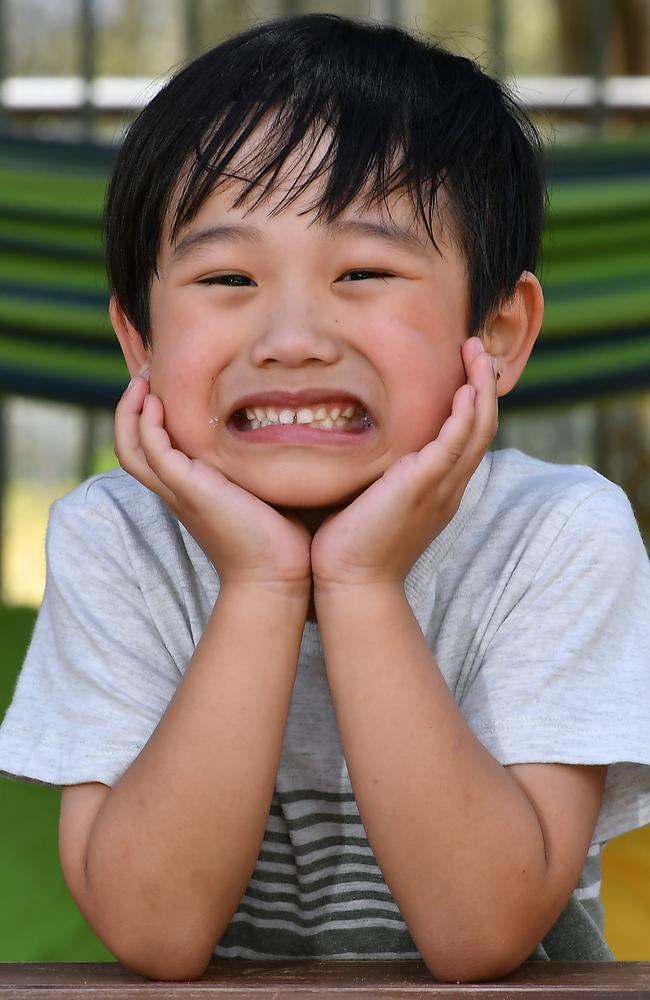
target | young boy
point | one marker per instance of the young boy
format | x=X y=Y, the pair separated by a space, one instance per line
x=318 y=674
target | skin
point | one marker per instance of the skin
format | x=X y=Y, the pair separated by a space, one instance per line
x=158 y=863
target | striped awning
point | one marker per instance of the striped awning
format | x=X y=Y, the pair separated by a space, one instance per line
x=56 y=341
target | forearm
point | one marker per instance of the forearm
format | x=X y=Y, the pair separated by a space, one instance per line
x=176 y=840
x=458 y=841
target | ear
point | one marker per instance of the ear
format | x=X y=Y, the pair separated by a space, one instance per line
x=511 y=333
x=136 y=355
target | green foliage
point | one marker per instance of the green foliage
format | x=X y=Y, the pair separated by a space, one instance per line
x=38 y=920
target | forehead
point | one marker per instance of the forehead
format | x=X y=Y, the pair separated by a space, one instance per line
x=301 y=185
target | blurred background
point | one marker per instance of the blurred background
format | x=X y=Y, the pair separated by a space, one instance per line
x=73 y=73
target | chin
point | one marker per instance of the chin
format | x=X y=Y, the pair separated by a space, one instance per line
x=305 y=495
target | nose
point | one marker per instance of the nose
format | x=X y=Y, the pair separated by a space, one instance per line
x=294 y=336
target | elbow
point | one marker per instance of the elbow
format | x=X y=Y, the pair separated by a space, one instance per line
x=164 y=964
x=470 y=969
x=474 y=961
x=172 y=954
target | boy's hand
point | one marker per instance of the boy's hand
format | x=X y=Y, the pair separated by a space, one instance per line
x=378 y=537
x=246 y=540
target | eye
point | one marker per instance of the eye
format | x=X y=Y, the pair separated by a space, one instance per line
x=362 y=275
x=229 y=280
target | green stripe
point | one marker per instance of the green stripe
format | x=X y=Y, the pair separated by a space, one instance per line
x=92 y=321
x=50 y=273
x=77 y=193
x=37 y=232
x=77 y=362
x=609 y=311
x=574 y=365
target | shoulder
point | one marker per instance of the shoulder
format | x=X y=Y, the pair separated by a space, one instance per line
x=112 y=502
x=113 y=516
x=110 y=494
x=552 y=499
x=535 y=519
x=520 y=478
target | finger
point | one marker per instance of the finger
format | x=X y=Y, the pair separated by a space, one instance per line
x=456 y=431
x=127 y=417
x=128 y=446
x=482 y=375
x=171 y=466
x=472 y=348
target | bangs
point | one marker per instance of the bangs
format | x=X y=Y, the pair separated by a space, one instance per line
x=363 y=107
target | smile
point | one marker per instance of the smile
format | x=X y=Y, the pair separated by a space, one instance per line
x=340 y=416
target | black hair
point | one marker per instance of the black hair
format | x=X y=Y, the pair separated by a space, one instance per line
x=396 y=113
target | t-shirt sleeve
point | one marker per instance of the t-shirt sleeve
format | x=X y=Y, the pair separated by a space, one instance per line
x=97 y=676
x=565 y=677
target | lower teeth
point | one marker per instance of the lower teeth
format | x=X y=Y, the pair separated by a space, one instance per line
x=326 y=424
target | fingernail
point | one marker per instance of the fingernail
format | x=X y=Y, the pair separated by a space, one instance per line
x=145 y=373
x=495 y=367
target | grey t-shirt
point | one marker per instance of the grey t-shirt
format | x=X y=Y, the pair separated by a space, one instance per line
x=534 y=600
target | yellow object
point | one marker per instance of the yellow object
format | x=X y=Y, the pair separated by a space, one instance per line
x=626 y=895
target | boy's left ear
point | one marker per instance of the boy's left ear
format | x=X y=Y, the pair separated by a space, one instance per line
x=511 y=333
x=136 y=355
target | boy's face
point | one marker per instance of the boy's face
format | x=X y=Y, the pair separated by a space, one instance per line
x=299 y=319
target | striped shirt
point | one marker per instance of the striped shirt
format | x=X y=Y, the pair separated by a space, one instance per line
x=533 y=600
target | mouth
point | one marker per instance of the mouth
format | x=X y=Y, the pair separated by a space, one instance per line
x=299 y=414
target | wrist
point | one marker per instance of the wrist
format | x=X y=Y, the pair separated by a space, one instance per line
x=285 y=595
x=357 y=595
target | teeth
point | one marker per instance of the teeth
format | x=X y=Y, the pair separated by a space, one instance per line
x=323 y=416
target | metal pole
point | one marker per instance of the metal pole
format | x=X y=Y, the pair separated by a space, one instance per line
x=389 y=11
x=4 y=61
x=498 y=33
x=600 y=23
x=87 y=63
x=88 y=443
x=192 y=28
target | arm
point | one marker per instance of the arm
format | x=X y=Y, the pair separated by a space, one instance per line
x=158 y=863
x=480 y=859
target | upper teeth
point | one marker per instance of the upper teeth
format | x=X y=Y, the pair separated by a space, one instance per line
x=324 y=415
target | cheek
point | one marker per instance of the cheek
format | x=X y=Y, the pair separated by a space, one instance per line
x=421 y=379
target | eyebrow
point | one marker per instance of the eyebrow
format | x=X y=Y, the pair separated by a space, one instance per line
x=386 y=232
x=196 y=239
